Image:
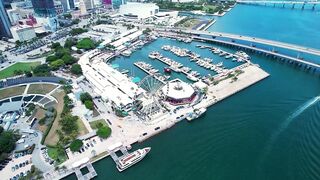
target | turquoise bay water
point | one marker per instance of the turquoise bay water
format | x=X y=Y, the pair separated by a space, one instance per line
x=269 y=131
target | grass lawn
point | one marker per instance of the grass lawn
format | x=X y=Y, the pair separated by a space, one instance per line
x=94 y=124
x=53 y=137
x=13 y=91
x=82 y=128
x=9 y=71
x=41 y=88
x=53 y=153
x=189 y=23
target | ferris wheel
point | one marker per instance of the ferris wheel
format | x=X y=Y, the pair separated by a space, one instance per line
x=150 y=102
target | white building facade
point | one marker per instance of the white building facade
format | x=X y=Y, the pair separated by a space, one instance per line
x=139 y=10
x=23 y=33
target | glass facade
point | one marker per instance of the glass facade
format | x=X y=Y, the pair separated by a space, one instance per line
x=44 y=8
x=4 y=22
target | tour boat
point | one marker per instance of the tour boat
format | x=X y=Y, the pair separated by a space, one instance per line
x=130 y=159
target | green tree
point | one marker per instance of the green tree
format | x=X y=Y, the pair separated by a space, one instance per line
x=51 y=58
x=56 y=45
x=76 y=145
x=85 y=96
x=57 y=64
x=86 y=43
x=69 y=124
x=76 y=69
x=68 y=59
x=104 y=132
x=89 y=104
x=42 y=70
x=8 y=141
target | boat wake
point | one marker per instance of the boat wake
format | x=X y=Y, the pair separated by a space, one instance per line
x=285 y=125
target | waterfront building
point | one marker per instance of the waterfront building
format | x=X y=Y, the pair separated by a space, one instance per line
x=138 y=10
x=4 y=23
x=178 y=92
x=106 y=79
x=23 y=32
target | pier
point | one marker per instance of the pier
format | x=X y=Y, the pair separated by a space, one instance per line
x=153 y=74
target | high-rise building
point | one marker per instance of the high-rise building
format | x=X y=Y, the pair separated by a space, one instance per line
x=4 y=22
x=116 y=3
x=89 y=4
x=71 y=4
x=107 y=3
x=44 y=8
x=67 y=5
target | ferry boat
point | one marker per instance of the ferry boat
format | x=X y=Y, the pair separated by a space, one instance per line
x=196 y=113
x=132 y=158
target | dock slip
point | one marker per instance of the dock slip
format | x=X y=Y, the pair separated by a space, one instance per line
x=90 y=175
x=147 y=68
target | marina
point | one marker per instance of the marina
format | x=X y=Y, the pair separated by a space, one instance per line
x=221 y=128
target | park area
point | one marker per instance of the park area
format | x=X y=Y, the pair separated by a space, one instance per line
x=13 y=91
x=41 y=88
x=20 y=66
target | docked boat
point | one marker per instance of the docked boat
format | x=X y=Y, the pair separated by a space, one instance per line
x=229 y=56
x=196 y=114
x=154 y=54
x=126 y=53
x=175 y=68
x=192 y=78
x=167 y=70
x=243 y=55
x=129 y=160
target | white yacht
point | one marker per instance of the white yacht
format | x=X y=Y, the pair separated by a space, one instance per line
x=132 y=158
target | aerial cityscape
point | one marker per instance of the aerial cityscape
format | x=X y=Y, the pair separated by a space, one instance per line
x=159 y=89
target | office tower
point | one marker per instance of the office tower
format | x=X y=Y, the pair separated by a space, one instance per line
x=44 y=8
x=4 y=22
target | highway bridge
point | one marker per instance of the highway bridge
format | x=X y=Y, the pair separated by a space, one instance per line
x=283 y=3
x=252 y=43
